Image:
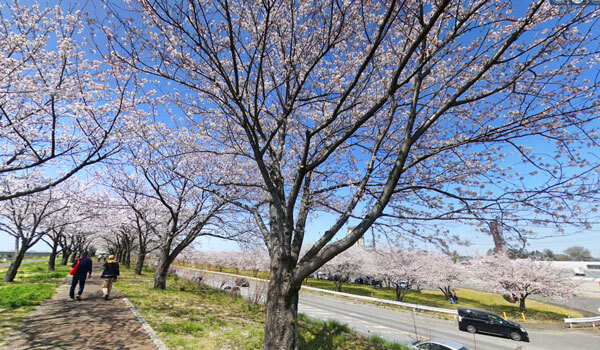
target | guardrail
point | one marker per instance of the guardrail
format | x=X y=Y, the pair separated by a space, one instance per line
x=385 y=301
x=592 y=320
x=348 y=295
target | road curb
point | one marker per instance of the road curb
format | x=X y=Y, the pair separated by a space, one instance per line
x=159 y=343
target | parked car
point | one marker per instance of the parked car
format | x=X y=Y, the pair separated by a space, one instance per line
x=322 y=275
x=242 y=282
x=481 y=321
x=438 y=344
x=404 y=284
x=370 y=281
x=579 y=271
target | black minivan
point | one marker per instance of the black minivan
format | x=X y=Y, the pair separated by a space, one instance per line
x=474 y=321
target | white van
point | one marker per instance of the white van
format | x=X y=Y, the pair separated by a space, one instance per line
x=579 y=271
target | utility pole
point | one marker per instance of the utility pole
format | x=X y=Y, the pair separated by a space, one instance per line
x=495 y=231
x=373 y=234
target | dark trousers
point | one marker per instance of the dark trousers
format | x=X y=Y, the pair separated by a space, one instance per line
x=76 y=279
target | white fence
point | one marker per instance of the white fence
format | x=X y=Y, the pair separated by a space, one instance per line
x=592 y=320
x=348 y=295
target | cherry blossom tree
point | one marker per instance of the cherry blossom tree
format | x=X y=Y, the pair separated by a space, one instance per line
x=28 y=219
x=66 y=247
x=123 y=243
x=351 y=262
x=84 y=237
x=156 y=166
x=137 y=210
x=61 y=108
x=256 y=260
x=119 y=236
x=443 y=273
x=52 y=239
x=217 y=259
x=147 y=242
x=78 y=207
x=401 y=268
x=237 y=260
x=73 y=242
x=398 y=113
x=521 y=278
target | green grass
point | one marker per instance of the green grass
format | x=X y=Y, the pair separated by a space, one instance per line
x=192 y=316
x=24 y=295
x=318 y=335
x=33 y=284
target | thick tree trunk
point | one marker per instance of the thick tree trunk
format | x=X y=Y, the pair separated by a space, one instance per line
x=52 y=258
x=281 y=326
x=65 y=257
x=127 y=262
x=14 y=266
x=404 y=290
x=522 y=304
x=121 y=256
x=338 y=284
x=141 y=257
x=162 y=269
x=140 y=262
x=52 y=261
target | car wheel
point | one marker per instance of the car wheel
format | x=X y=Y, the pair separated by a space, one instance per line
x=471 y=329
x=515 y=336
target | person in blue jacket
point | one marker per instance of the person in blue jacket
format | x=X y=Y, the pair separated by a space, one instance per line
x=84 y=270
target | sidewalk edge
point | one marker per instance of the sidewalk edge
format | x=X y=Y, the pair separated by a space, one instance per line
x=159 y=343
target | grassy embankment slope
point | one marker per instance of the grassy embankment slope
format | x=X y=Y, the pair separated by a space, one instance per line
x=192 y=316
x=32 y=285
x=536 y=311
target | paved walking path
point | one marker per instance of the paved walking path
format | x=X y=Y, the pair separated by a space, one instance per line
x=92 y=323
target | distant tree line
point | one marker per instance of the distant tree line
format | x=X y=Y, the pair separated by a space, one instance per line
x=574 y=253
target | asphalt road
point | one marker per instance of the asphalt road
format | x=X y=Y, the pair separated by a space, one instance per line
x=402 y=326
x=405 y=326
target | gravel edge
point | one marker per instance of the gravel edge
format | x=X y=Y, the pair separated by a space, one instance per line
x=159 y=343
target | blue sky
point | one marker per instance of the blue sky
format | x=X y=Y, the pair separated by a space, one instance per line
x=480 y=241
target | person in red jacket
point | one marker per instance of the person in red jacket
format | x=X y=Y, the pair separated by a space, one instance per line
x=109 y=275
x=83 y=270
